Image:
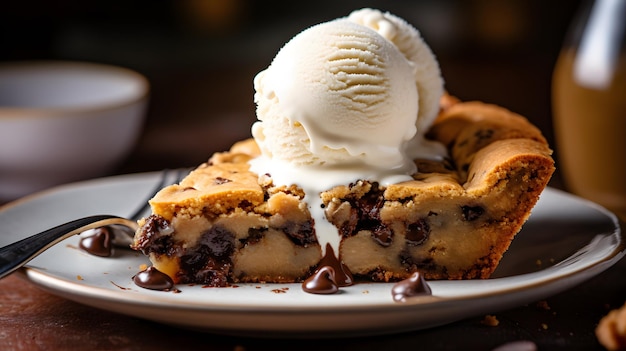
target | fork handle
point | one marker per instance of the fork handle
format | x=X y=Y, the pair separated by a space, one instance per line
x=16 y=255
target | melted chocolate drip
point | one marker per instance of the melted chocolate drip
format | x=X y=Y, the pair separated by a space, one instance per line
x=153 y=279
x=99 y=243
x=415 y=285
x=322 y=282
x=343 y=276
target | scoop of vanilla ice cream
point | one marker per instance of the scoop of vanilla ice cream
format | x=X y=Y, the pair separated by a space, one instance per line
x=337 y=94
x=428 y=79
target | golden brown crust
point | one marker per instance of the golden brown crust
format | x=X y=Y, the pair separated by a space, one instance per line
x=466 y=128
x=209 y=190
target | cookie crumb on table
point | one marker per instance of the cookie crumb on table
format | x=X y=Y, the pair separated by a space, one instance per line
x=611 y=331
x=543 y=304
x=490 y=320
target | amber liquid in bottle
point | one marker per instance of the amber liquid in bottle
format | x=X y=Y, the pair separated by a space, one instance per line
x=590 y=121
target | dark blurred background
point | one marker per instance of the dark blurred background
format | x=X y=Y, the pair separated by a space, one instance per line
x=200 y=56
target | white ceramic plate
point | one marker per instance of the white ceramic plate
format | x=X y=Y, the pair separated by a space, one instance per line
x=566 y=241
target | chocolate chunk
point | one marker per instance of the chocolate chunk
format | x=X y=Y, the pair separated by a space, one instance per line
x=214 y=274
x=209 y=262
x=198 y=267
x=322 y=282
x=365 y=215
x=154 y=236
x=153 y=279
x=413 y=286
x=219 y=241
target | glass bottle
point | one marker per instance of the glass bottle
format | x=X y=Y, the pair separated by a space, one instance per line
x=589 y=105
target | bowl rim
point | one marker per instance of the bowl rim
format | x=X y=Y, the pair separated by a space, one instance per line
x=37 y=112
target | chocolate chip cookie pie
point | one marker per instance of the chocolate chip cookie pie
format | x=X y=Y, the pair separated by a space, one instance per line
x=225 y=224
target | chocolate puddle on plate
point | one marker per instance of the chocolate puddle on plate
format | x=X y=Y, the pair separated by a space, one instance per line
x=99 y=243
x=153 y=279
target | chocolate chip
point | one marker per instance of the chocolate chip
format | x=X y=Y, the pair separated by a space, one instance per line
x=413 y=286
x=382 y=234
x=98 y=243
x=219 y=241
x=301 y=233
x=365 y=215
x=254 y=236
x=348 y=228
x=220 y=181
x=417 y=232
x=483 y=134
x=246 y=205
x=153 y=279
x=471 y=213
x=412 y=264
x=322 y=282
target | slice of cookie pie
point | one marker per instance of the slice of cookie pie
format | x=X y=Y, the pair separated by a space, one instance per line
x=224 y=224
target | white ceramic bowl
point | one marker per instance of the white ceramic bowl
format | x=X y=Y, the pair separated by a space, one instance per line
x=65 y=121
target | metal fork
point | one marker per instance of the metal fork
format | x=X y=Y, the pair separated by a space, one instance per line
x=16 y=255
